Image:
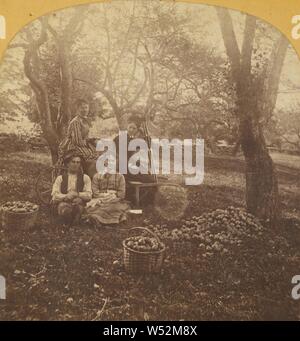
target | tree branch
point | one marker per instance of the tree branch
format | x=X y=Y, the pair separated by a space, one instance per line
x=249 y=35
x=230 y=40
x=106 y=93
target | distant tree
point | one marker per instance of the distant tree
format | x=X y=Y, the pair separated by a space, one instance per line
x=288 y=126
x=14 y=92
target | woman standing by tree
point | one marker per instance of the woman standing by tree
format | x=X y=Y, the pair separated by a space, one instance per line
x=77 y=139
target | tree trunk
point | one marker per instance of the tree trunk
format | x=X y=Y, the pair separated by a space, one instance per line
x=66 y=87
x=255 y=104
x=54 y=152
x=43 y=105
x=262 y=195
x=52 y=141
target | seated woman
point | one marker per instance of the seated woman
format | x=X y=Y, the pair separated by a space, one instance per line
x=77 y=139
x=71 y=190
x=108 y=205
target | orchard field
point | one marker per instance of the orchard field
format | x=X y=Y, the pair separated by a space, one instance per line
x=220 y=264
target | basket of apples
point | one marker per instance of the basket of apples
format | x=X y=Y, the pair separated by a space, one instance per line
x=20 y=214
x=143 y=254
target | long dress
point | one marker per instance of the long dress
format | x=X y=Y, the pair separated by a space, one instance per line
x=144 y=178
x=113 y=211
x=132 y=177
x=77 y=140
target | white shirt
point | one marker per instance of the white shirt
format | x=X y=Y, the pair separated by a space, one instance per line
x=85 y=195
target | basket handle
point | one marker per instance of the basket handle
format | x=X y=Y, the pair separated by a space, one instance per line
x=147 y=230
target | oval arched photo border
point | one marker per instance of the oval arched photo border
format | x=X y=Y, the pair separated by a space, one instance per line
x=285 y=16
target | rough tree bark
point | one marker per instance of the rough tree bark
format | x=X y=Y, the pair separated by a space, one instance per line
x=53 y=126
x=254 y=104
x=64 y=41
x=32 y=69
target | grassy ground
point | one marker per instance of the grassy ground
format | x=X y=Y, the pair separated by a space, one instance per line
x=286 y=159
x=77 y=273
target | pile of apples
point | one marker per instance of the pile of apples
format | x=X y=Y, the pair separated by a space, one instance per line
x=215 y=232
x=19 y=207
x=143 y=244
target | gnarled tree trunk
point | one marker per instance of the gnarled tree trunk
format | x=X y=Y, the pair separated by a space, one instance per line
x=253 y=106
x=262 y=196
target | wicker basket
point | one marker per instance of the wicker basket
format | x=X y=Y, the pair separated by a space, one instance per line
x=13 y=220
x=143 y=262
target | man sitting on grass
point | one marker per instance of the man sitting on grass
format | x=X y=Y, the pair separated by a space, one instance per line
x=71 y=190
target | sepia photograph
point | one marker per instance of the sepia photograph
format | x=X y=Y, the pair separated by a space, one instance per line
x=149 y=166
